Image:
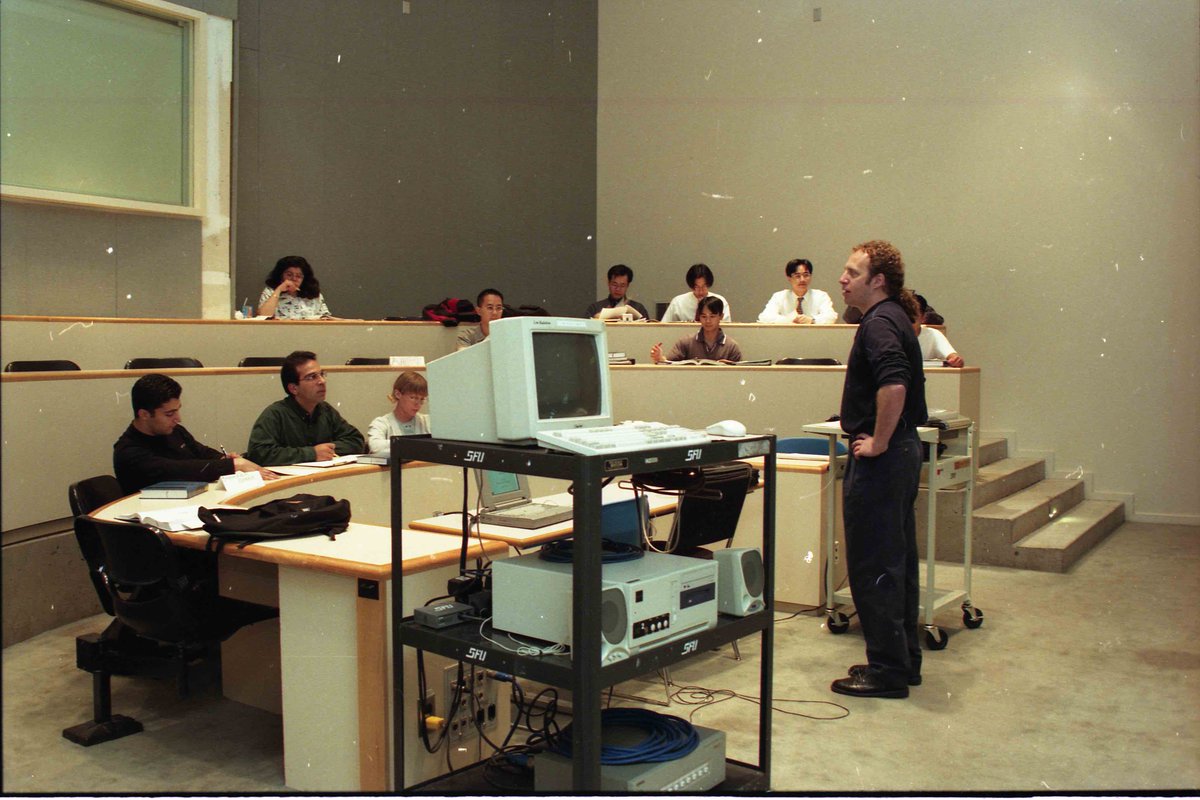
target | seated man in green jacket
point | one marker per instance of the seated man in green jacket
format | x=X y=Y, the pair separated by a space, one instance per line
x=302 y=426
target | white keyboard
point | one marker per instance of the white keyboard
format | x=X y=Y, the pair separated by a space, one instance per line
x=620 y=438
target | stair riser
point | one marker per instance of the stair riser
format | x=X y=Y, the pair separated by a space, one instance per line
x=991 y=452
x=1015 y=481
x=1044 y=559
x=1034 y=517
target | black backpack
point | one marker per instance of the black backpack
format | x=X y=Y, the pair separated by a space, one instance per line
x=288 y=517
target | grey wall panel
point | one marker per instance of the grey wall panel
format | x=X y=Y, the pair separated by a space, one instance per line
x=77 y=262
x=414 y=156
x=158 y=267
x=45 y=584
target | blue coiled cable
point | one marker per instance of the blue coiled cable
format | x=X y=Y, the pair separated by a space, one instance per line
x=667 y=737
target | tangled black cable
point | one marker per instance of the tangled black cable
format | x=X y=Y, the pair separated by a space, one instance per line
x=667 y=737
x=508 y=768
x=561 y=551
x=701 y=697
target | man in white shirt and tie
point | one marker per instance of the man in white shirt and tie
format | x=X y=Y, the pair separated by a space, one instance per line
x=799 y=304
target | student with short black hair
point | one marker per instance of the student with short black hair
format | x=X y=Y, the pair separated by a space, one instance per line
x=619 y=279
x=799 y=304
x=490 y=306
x=302 y=426
x=156 y=447
x=686 y=307
x=710 y=342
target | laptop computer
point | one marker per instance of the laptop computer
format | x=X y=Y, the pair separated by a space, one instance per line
x=505 y=500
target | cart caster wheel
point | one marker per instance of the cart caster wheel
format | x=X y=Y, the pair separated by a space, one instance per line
x=972 y=617
x=935 y=638
x=837 y=622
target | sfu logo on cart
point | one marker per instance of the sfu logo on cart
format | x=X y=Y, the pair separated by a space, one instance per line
x=694 y=454
x=476 y=654
x=691 y=646
x=474 y=457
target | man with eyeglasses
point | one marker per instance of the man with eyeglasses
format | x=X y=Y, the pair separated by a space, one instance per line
x=619 y=278
x=302 y=426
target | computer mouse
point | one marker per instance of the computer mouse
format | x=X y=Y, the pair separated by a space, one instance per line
x=727 y=427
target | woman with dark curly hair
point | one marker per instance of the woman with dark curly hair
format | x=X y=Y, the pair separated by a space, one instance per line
x=293 y=292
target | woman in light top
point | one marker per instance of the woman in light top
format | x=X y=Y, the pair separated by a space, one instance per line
x=800 y=304
x=293 y=292
x=709 y=343
x=408 y=395
x=686 y=306
x=934 y=344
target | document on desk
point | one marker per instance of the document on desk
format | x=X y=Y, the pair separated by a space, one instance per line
x=179 y=518
x=309 y=467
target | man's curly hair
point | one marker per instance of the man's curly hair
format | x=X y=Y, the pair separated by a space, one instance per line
x=887 y=261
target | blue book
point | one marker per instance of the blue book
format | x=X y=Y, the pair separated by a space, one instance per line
x=173 y=490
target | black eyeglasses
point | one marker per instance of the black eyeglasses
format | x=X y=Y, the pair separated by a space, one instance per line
x=312 y=376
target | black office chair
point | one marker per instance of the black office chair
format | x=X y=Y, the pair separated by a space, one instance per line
x=808 y=362
x=363 y=361
x=162 y=363
x=51 y=365
x=660 y=309
x=85 y=497
x=709 y=514
x=261 y=361
x=153 y=596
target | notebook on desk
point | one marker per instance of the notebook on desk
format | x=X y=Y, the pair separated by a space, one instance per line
x=505 y=500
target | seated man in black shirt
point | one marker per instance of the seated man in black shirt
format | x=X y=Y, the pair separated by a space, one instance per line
x=155 y=447
x=619 y=278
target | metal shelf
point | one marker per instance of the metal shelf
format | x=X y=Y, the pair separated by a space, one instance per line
x=577 y=671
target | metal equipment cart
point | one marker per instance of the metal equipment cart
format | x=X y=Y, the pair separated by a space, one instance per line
x=955 y=466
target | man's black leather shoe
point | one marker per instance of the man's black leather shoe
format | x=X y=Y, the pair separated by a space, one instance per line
x=913 y=680
x=866 y=685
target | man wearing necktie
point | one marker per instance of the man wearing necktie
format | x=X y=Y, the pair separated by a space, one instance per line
x=788 y=305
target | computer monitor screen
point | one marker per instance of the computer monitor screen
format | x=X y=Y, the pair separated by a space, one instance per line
x=567 y=374
x=531 y=374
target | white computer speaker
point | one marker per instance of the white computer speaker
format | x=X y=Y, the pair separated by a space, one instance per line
x=740 y=580
x=614 y=625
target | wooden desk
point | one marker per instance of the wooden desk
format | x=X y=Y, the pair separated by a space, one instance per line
x=332 y=635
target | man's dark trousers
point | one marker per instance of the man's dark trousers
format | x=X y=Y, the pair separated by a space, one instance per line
x=878 y=497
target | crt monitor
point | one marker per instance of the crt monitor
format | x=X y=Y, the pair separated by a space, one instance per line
x=530 y=375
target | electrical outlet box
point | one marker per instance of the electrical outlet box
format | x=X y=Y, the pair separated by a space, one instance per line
x=476 y=702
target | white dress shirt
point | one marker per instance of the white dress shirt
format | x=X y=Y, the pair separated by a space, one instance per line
x=683 y=308
x=782 y=307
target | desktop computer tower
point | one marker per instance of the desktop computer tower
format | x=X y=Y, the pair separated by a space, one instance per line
x=644 y=602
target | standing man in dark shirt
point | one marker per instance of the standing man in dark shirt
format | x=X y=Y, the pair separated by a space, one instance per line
x=883 y=402
x=619 y=278
x=302 y=426
x=156 y=447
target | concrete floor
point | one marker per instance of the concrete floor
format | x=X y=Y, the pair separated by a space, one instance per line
x=1087 y=681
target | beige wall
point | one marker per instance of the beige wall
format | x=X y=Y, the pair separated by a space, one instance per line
x=1036 y=163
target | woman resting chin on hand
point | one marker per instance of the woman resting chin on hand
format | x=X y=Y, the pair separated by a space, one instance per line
x=293 y=292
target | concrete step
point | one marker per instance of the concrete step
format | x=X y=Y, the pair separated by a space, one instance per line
x=1056 y=546
x=1001 y=524
x=991 y=450
x=1005 y=476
